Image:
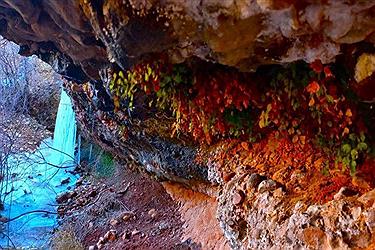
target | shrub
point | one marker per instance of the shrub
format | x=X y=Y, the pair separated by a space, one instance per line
x=301 y=101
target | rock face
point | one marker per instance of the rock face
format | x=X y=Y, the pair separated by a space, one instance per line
x=57 y=32
x=199 y=215
x=81 y=38
x=142 y=139
x=84 y=40
x=241 y=34
x=267 y=220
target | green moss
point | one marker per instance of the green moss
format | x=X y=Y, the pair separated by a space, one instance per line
x=105 y=166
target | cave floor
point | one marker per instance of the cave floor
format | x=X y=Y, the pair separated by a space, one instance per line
x=144 y=214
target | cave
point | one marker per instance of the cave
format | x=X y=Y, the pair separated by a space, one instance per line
x=250 y=123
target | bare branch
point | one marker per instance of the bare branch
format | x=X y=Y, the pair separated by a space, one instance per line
x=29 y=212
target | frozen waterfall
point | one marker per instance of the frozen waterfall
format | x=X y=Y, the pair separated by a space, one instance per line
x=64 y=137
x=36 y=183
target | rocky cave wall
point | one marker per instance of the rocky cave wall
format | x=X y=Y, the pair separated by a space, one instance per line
x=86 y=40
x=81 y=37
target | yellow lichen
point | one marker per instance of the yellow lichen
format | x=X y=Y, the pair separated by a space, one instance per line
x=365 y=66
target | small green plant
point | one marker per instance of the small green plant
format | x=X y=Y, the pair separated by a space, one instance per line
x=155 y=77
x=351 y=150
x=105 y=165
x=263 y=120
x=123 y=87
x=169 y=82
x=240 y=122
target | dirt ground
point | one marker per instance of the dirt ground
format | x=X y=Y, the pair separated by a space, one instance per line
x=141 y=214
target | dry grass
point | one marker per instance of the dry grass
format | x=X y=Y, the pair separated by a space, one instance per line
x=65 y=239
x=99 y=212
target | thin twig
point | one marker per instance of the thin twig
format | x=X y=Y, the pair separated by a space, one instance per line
x=30 y=212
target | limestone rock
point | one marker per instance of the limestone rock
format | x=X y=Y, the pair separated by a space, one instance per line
x=237 y=197
x=368 y=199
x=113 y=222
x=268 y=221
x=267 y=185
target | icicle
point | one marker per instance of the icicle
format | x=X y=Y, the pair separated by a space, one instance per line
x=78 y=157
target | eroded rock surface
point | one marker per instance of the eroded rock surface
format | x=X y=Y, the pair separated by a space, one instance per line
x=270 y=219
x=81 y=37
x=198 y=212
x=57 y=32
x=145 y=139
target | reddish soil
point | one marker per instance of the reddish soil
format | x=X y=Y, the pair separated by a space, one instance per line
x=159 y=222
x=198 y=212
x=143 y=231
